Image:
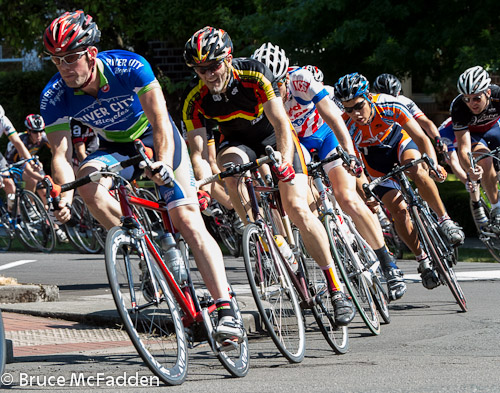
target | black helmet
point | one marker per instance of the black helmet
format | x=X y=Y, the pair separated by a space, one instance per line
x=351 y=86
x=72 y=30
x=207 y=44
x=388 y=84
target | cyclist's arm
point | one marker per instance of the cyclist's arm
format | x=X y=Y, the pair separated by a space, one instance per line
x=80 y=151
x=336 y=123
x=276 y=114
x=21 y=148
x=420 y=138
x=464 y=146
x=198 y=150
x=455 y=166
x=62 y=169
x=154 y=106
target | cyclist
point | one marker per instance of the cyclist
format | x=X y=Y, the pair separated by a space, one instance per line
x=475 y=114
x=7 y=129
x=35 y=140
x=389 y=84
x=117 y=95
x=385 y=134
x=242 y=96
x=314 y=116
x=84 y=141
x=448 y=138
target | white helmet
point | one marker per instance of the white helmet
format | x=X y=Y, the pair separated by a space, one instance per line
x=473 y=80
x=274 y=58
x=317 y=73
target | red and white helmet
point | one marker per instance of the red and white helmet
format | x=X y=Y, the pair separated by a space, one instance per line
x=317 y=73
x=34 y=123
x=71 y=30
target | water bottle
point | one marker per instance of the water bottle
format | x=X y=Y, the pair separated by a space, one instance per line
x=479 y=215
x=173 y=257
x=10 y=201
x=286 y=252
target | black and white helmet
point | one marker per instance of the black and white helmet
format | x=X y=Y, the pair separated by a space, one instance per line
x=473 y=80
x=387 y=84
x=274 y=58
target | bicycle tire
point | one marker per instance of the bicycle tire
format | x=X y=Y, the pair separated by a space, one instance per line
x=156 y=330
x=490 y=240
x=434 y=244
x=274 y=294
x=337 y=337
x=379 y=294
x=5 y=231
x=229 y=237
x=82 y=233
x=3 y=347
x=40 y=229
x=236 y=362
x=152 y=220
x=353 y=279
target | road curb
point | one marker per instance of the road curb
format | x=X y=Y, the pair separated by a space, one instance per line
x=28 y=293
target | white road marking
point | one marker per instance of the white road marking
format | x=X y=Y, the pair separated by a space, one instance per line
x=465 y=276
x=16 y=263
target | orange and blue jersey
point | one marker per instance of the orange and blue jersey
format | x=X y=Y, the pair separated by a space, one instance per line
x=388 y=114
x=382 y=141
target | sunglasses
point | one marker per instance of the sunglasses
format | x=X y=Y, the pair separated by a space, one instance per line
x=71 y=58
x=357 y=107
x=476 y=98
x=211 y=68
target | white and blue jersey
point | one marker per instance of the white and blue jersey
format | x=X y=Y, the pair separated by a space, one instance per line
x=304 y=92
x=447 y=134
x=116 y=115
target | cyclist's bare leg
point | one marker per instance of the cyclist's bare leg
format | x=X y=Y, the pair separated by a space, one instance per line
x=294 y=198
x=99 y=201
x=394 y=202
x=344 y=188
x=207 y=254
x=235 y=188
x=426 y=186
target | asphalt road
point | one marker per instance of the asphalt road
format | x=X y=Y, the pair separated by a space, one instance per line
x=428 y=347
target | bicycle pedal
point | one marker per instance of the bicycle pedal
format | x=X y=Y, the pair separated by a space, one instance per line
x=228 y=345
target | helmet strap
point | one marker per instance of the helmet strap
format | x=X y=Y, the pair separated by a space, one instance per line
x=228 y=73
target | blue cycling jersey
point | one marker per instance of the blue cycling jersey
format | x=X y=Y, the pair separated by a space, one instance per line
x=116 y=114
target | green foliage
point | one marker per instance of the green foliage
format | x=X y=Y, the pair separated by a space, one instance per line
x=431 y=41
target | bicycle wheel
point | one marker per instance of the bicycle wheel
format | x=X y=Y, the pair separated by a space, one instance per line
x=155 y=328
x=3 y=347
x=336 y=336
x=352 y=276
x=440 y=252
x=488 y=237
x=274 y=294
x=236 y=362
x=368 y=258
x=227 y=234
x=5 y=232
x=152 y=220
x=39 y=227
x=82 y=232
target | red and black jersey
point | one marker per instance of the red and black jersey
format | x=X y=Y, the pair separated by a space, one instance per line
x=464 y=119
x=239 y=111
x=80 y=133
